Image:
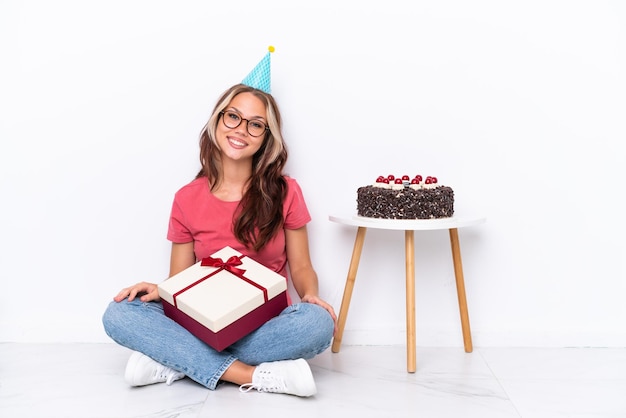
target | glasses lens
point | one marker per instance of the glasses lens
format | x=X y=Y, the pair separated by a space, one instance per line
x=256 y=128
x=231 y=119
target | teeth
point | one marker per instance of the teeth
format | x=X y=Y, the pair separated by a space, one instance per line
x=236 y=142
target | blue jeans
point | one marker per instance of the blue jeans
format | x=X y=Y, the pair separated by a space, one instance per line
x=302 y=330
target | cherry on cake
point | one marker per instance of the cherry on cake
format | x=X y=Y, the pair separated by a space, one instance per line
x=403 y=197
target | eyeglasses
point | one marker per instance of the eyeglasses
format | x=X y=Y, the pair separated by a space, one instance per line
x=232 y=120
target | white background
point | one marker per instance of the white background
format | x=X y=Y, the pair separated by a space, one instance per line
x=518 y=106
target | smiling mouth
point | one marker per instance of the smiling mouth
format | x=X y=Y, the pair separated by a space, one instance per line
x=237 y=143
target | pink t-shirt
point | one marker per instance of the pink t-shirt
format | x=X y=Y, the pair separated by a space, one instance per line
x=198 y=216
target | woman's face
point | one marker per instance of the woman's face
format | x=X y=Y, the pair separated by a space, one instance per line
x=237 y=143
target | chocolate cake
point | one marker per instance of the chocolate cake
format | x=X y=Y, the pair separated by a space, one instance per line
x=404 y=198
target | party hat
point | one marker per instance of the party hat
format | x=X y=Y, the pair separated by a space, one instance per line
x=259 y=77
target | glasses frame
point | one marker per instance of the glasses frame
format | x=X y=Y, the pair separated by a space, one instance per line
x=241 y=119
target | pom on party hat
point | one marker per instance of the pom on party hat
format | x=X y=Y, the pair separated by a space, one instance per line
x=259 y=77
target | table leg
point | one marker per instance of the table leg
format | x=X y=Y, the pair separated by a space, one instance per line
x=409 y=244
x=460 y=289
x=347 y=291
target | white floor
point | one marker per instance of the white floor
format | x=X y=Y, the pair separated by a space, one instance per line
x=86 y=380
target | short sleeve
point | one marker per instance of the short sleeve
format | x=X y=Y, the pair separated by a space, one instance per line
x=177 y=231
x=295 y=210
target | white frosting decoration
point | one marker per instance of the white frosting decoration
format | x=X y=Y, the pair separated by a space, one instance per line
x=397 y=186
x=382 y=185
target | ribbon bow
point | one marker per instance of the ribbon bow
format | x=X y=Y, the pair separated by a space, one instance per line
x=228 y=265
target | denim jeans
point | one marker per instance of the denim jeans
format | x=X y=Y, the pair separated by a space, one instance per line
x=302 y=330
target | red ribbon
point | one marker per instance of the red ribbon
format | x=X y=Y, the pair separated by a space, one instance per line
x=229 y=265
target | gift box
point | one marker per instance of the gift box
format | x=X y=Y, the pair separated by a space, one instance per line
x=224 y=297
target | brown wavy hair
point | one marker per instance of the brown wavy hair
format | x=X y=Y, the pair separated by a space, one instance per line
x=260 y=213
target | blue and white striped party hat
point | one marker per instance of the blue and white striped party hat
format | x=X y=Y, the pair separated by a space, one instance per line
x=259 y=77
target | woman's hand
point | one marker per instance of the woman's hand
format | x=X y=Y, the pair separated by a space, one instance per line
x=316 y=300
x=147 y=291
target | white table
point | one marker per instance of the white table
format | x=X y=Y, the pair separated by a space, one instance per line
x=409 y=227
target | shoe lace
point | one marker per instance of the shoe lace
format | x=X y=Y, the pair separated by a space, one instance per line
x=167 y=374
x=268 y=382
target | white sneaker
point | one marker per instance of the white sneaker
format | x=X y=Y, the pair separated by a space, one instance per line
x=293 y=377
x=141 y=370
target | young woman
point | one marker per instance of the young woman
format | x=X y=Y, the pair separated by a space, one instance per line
x=242 y=199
